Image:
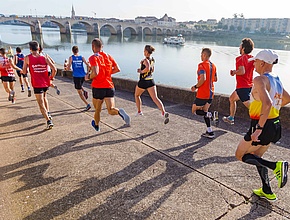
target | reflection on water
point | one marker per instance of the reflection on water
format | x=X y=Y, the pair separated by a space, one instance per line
x=175 y=65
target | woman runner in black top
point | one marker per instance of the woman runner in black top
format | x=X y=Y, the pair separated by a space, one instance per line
x=146 y=82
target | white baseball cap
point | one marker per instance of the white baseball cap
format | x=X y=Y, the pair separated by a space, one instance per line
x=269 y=56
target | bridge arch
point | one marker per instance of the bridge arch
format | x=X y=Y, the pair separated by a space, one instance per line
x=147 y=31
x=168 y=32
x=129 y=31
x=108 y=27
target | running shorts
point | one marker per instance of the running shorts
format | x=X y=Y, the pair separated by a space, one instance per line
x=244 y=94
x=19 y=74
x=8 y=79
x=202 y=102
x=101 y=93
x=78 y=81
x=271 y=132
x=145 y=84
x=40 y=90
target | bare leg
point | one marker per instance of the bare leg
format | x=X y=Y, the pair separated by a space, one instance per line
x=153 y=94
x=98 y=108
x=110 y=103
x=80 y=92
x=42 y=105
x=233 y=103
x=138 y=93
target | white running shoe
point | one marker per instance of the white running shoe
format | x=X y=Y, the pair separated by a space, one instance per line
x=166 y=117
x=139 y=114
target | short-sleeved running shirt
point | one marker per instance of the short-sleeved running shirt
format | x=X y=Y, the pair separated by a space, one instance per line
x=105 y=62
x=206 y=90
x=245 y=80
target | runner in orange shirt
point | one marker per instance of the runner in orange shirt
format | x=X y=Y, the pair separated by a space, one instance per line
x=206 y=75
x=103 y=66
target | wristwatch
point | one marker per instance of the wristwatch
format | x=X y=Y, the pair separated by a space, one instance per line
x=258 y=127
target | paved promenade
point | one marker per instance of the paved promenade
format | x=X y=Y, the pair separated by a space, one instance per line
x=146 y=171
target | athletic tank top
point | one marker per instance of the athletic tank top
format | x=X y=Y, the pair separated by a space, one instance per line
x=148 y=75
x=276 y=91
x=20 y=60
x=77 y=66
x=38 y=71
x=5 y=67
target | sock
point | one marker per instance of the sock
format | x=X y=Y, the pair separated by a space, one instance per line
x=22 y=87
x=28 y=87
x=263 y=171
x=207 y=121
x=258 y=161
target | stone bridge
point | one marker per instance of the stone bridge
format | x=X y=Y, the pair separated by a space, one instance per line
x=94 y=26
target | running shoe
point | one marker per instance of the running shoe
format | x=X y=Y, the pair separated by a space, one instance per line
x=13 y=100
x=281 y=173
x=88 y=107
x=124 y=116
x=22 y=90
x=270 y=197
x=29 y=93
x=11 y=95
x=86 y=94
x=57 y=90
x=139 y=114
x=49 y=116
x=208 y=135
x=96 y=127
x=229 y=120
x=166 y=117
x=49 y=125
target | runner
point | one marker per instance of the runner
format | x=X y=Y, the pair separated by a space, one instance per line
x=77 y=61
x=103 y=66
x=7 y=67
x=206 y=75
x=267 y=97
x=19 y=60
x=146 y=82
x=49 y=70
x=244 y=78
x=40 y=80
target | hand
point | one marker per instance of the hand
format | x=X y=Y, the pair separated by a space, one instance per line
x=256 y=135
x=87 y=77
x=193 y=89
x=232 y=72
x=139 y=70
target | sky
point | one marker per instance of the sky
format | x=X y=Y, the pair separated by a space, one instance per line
x=181 y=10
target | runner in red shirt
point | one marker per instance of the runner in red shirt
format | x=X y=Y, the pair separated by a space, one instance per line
x=244 y=78
x=103 y=66
x=7 y=67
x=40 y=79
x=206 y=76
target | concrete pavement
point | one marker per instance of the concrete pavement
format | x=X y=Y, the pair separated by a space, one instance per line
x=146 y=171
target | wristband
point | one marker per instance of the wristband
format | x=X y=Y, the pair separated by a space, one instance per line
x=258 y=127
x=195 y=86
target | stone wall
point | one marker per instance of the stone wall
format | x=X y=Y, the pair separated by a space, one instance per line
x=186 y=97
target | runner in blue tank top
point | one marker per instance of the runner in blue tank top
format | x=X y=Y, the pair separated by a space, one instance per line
x=76 y=62
x=19 y=61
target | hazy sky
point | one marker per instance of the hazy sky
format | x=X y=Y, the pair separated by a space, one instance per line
x=181 y=10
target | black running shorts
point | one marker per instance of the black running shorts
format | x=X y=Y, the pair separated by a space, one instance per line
x=78 y=81
x=8 y=79
x=244 y=94
x=101 y=93
x=202 y=102
x=145 y=84
x=40 y=90
x=271 y=132
x=19 y=74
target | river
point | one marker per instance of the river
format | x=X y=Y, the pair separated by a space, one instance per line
x=175 y=65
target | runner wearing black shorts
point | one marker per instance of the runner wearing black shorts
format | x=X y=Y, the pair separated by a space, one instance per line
x=146 y=82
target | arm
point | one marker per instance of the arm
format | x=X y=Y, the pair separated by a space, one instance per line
x=69 y=63
x=95 y=72
x=115 y=69
x=240 y=71
x=199 y=83
x=285 y=98
x=14 y=66
x=260 y=83
x=49 y=61
x=147 y=66
x=25 y=65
